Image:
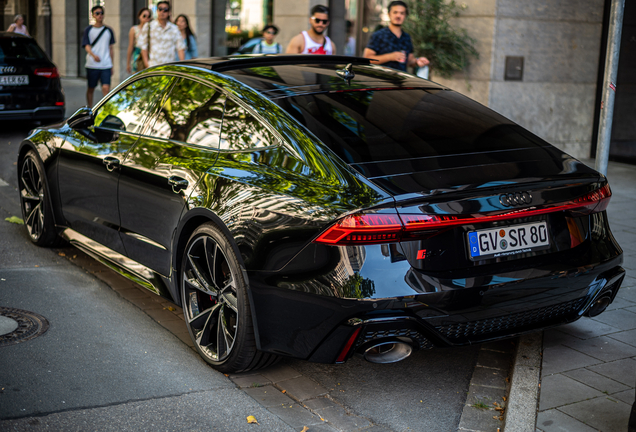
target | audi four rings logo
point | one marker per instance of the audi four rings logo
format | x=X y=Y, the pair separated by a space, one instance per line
x=8 y=69
x=515 y=199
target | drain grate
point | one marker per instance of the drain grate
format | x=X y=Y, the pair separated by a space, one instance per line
x=30 y=326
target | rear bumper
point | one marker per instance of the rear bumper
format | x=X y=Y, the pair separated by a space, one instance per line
x=40 y=113
x=318 y=328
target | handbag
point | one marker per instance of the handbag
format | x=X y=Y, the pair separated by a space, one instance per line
x=139 y=63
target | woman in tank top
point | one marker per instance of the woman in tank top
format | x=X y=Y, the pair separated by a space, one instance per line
x=134 y=53
x=18 y=26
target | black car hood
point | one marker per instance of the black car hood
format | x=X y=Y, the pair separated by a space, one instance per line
x=451 y=173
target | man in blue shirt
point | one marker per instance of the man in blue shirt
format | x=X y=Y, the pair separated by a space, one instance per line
x=391 y=46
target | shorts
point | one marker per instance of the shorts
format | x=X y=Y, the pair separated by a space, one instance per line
x=94 y=75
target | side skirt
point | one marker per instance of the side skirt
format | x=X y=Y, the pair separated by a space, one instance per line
x=119 y=263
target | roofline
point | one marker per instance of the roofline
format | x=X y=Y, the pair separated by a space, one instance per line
x=221 y=64
x=12 y=34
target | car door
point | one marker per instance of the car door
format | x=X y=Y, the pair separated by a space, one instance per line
x=178 y=146
x=89 y=161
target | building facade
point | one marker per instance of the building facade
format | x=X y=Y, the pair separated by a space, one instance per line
x=541 y=62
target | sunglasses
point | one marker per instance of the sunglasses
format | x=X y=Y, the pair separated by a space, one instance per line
x=320 y=21
x=98 y=13
x=163 y=9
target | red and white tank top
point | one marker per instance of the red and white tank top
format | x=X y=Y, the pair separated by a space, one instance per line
x=312 y=47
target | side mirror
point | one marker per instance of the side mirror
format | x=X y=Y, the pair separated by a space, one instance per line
x=113 y=122
x=82 y=119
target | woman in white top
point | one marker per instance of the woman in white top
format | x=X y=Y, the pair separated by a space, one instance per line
x=134 y=52
x=18 y=26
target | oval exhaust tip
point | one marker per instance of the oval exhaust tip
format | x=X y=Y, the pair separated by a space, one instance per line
x=388 y=352
x=599 y=306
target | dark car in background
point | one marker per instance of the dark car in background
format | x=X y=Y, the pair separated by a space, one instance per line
x=319 y=206
x=30 y=87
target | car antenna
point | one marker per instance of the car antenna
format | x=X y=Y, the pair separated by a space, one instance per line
x=347 y=73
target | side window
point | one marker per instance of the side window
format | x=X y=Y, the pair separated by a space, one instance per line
x=242 y=131
x=128 y=108
x=192 y=113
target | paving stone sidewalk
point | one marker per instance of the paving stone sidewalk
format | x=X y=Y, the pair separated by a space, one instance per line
x=589 y=367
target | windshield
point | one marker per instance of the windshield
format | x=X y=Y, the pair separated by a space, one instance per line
x=19 y=48
x=380 y=125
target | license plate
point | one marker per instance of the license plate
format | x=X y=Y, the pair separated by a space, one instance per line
x=507 y=241
x=14 y=79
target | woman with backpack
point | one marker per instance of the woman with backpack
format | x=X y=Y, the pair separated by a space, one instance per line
x=267 y=44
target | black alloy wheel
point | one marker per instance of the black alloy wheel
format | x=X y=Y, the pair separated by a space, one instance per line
x=216 y=305
x=34 y=200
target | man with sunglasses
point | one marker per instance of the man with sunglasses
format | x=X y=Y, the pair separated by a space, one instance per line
x=159 y=39
x=98 y=41
x=391 y=46
x=313 y=41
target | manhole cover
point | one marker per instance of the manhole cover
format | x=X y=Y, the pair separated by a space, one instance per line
x=29 y=325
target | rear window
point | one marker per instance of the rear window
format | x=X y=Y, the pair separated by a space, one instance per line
x=19 y=48
x=381 y=125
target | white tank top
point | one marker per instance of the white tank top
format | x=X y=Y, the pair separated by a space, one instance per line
x=312 y=47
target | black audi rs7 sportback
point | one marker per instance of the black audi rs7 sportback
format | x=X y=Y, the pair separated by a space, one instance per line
x=320 y=206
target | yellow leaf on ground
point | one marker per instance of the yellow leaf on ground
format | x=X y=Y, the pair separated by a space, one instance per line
x=251 y=419
x=61 y=254
x=15 y=220
x=284 y=391
x=305 y=429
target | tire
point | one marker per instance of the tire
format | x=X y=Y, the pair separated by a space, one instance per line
x=216 y=305
x=35 y=201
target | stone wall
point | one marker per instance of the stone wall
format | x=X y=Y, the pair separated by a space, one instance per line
x=292 y=17
x=560 y=43
x=64 y=35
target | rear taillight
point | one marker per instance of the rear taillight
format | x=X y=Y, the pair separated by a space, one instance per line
x=47 y=72
x=594 y=202
x=376 y=228
x=363 y=229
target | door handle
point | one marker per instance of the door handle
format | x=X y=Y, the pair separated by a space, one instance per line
x=111 y=163
x=177 y=183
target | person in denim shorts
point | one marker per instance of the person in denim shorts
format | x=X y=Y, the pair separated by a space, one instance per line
x=98 y=41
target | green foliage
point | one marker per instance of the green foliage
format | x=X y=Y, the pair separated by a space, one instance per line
x=447 y=48
x=357 y=287
x=481 y=406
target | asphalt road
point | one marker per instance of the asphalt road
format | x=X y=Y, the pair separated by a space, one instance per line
x=106 y=365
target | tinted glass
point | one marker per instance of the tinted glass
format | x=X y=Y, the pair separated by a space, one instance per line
x=18 y=48
x=242 y=131
x=368 y=126
x=192 y=113
x=128 y=108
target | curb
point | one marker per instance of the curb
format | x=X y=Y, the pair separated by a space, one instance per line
x=488 y=388
x=521 y=409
